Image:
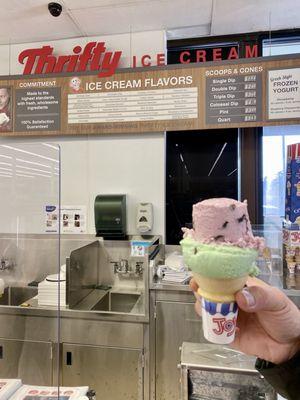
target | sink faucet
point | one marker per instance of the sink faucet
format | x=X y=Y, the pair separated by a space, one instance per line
x=139 y=268
x=6 y=264
x=121 y=267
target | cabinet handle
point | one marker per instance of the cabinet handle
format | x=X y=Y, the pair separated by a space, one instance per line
x=69 y=358
x=1 y=352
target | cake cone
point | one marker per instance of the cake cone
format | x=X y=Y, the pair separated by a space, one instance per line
x=219 y=290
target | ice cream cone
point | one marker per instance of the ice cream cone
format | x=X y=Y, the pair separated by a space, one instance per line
x=289 y=259
x=219 y=290
x=221 y=251
x=291 y=267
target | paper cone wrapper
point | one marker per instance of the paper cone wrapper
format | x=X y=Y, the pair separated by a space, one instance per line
x=219 y=321
x=219 y=290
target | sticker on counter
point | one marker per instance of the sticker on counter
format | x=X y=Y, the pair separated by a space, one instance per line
x=138 y=248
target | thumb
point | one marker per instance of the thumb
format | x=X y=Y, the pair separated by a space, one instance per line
x=261 y=298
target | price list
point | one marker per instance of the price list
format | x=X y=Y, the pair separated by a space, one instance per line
x=233 y=99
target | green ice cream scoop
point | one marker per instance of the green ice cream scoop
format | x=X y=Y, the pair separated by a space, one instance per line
x=219 y=261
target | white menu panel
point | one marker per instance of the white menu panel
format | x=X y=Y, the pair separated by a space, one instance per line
x=142 y=105
x=284 y=93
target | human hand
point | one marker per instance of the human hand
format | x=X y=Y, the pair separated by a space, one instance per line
x=4 y=119
x=268 y=323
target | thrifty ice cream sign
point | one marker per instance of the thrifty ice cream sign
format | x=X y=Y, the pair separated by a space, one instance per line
x=95 y=57
x=137 y=83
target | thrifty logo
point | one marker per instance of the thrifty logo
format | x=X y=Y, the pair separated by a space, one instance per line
x=93 y=57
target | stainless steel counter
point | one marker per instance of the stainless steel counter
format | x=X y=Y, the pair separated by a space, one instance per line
x=214 y=371
x=159 y=285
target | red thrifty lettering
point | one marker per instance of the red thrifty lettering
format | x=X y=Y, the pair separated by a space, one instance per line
x=93 y=57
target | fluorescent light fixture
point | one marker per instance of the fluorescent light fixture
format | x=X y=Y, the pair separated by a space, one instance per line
x=184 y=164
x=34 y=163
x=232 y=172
x=6 y=173
x=33 y=174
x=6 y=169
x=51 y=145
x=34 y=169
x=29 y=152
x=220 y=355
x=217 y=159
x=25 y=176
x=2 y=155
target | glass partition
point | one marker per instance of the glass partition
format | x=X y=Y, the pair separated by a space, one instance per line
x=30 y=277
x=272 y=265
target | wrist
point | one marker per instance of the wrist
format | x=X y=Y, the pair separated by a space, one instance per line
x=287 y=354
x=295 y=348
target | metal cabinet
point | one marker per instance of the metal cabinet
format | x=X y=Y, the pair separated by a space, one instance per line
x=28 y=360
x=175 y=322
x=114 y=373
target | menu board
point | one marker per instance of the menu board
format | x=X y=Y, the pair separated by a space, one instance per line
x=284 y=93
x=234 y=99
x=229 y=94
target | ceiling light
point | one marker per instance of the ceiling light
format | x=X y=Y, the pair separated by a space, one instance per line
x=34 y=169
x=51 y=145
x=217 y=159
x=29 y=152
x=34 y=163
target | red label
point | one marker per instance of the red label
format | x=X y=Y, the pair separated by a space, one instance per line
x=224 y=325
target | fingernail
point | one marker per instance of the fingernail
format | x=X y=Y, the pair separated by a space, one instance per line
x=250 y=299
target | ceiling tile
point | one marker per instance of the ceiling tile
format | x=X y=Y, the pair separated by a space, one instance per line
x=253 y=16
x=30 y=20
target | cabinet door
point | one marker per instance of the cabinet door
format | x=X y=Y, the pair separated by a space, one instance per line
x=175 y=323
x=28 y=360
x=114 y=373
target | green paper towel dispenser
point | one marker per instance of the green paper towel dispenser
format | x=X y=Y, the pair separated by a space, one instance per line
x=110 y=216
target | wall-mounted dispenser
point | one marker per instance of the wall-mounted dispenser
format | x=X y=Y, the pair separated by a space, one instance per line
x=110 y=216
x=144 y=221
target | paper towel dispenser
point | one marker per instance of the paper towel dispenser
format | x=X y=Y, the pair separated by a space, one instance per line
x=110 y=216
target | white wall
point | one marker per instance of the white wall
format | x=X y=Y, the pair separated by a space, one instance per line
x=127 y=164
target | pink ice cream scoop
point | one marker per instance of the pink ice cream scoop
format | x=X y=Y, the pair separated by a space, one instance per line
x=223 y=221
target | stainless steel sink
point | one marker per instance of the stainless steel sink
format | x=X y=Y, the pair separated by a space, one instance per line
x=15 y=296
x=117 y=302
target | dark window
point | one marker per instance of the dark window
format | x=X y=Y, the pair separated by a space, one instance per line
x=200 y=165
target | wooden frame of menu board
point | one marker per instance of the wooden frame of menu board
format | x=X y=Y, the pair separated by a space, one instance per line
x=243 y=93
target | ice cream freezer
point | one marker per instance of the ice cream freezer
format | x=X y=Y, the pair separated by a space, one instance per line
x=215 y=372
